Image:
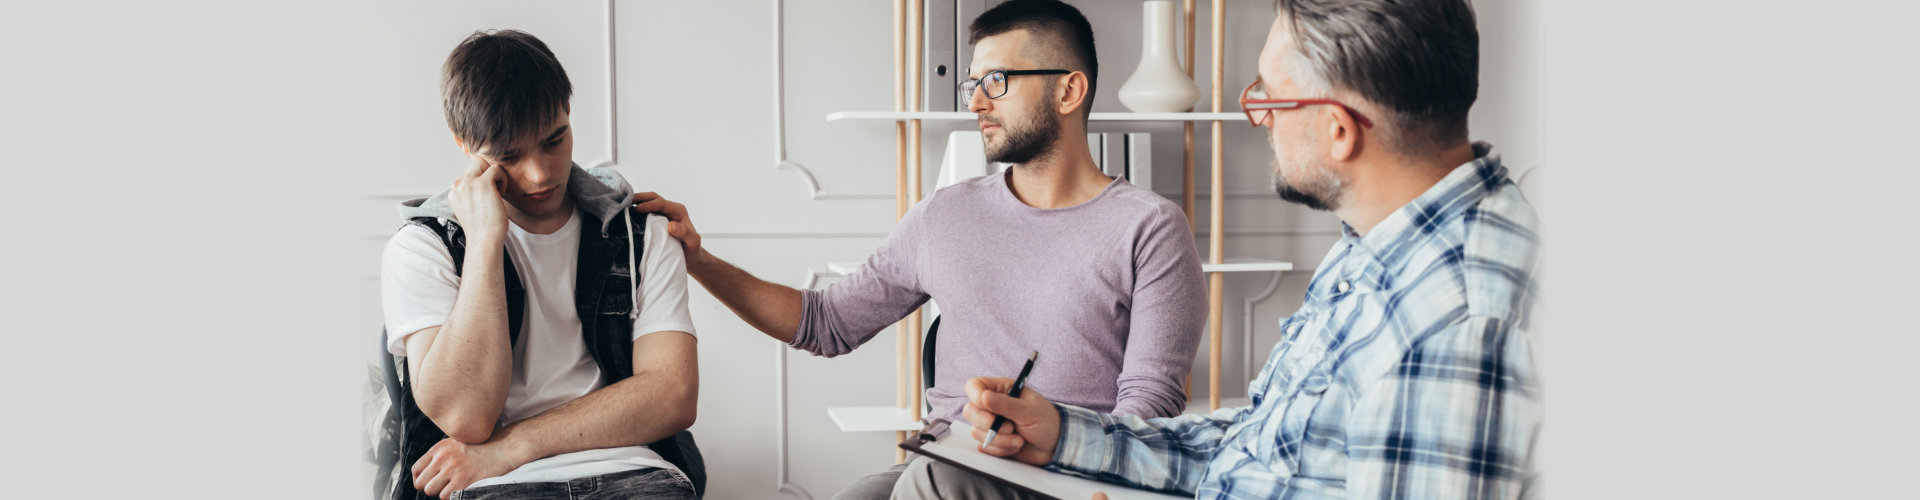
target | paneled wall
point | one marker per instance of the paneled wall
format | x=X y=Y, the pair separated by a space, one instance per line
x=679 y=96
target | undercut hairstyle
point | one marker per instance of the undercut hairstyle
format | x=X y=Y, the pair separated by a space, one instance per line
x=1060 y=35
x=499 y=87
x=1418 y=59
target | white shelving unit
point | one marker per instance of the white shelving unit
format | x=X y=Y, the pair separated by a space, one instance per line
x=873 y=418
x=1199 y=407
x=1096 y=116
x=1243 y=265
x=1233 y=265
x=844 y=268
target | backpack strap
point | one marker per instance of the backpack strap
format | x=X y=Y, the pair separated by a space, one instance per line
x=416 y=433
x=455 y=240
x=604 y=295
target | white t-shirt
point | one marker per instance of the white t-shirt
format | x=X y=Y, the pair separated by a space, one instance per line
x=551 y=365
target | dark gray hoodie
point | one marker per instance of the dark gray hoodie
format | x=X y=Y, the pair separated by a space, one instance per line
x=601 y=192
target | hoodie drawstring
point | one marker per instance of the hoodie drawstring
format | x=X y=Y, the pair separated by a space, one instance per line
x=633 y=273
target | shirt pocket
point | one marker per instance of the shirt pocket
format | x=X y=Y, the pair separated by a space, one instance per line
x=1293 y=348
x=1321 y=452
x=1284 y=431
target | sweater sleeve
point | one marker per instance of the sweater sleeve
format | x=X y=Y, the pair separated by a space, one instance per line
x=885 y=289
x=1169 y=310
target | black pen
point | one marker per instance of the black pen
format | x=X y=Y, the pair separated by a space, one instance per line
x=1015 y=394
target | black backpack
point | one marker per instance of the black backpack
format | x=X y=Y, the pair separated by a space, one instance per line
x=401 y=433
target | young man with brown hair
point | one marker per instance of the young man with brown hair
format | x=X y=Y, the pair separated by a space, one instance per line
x=544 y=327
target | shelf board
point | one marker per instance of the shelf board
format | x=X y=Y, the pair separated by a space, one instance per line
x=844 y=268
x=1232 y=265
x=1098 y=117
x=1236 y=265
x=1199 y=406
x=873 y=418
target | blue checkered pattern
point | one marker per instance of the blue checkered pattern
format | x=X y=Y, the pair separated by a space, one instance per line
x=1406 y=373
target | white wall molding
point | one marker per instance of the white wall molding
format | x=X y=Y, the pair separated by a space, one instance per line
x=782 y=481
x=797 y=235
x=780 y=161
x=1238 y=195
x=1246 y=323
x=1274 y=234
x=613 y=108
x=382 y=236
x=782 y=476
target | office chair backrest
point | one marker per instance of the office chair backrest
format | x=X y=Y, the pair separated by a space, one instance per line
x=926 y=360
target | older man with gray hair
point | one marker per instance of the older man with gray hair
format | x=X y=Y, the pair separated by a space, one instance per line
x=1407 y=372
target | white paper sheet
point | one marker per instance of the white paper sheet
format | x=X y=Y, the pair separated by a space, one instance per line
x=960 y=447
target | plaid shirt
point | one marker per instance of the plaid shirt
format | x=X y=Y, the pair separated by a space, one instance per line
x=1406 y=372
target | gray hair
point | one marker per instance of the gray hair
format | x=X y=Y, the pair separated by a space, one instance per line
x=1418 y=59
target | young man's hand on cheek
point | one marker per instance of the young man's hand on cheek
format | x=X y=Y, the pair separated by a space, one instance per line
x=477 y=204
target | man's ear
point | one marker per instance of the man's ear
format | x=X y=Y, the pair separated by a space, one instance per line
x=462 y=145
x=1344 y=132
x=1071 y=95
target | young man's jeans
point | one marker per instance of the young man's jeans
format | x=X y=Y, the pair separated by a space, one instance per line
x=878 y=485
x=921 y=477
x=642 y=483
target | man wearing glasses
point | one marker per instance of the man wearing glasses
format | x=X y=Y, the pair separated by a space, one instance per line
x=1101 y=277
x=1407 y=371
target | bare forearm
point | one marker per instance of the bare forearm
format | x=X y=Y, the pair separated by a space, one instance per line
x=772 y=308
x=642 y=409
x=461 y=378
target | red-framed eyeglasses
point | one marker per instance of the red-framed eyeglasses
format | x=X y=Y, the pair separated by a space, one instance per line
x=1254 y=99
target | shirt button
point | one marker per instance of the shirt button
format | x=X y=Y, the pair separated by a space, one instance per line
x=1344 y=286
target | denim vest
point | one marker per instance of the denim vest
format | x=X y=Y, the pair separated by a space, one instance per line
x=604 y=300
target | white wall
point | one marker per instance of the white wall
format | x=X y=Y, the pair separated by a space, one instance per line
x=694 y=119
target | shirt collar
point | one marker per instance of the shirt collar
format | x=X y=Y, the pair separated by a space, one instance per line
x=1460 y=189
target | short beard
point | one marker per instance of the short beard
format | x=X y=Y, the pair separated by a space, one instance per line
x=1319 y=191
x=1031 y=139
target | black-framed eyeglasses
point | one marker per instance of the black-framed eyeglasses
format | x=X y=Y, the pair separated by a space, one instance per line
x=994 y=83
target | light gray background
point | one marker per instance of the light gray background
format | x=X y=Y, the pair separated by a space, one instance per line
x=187 y=294
x=697 y=125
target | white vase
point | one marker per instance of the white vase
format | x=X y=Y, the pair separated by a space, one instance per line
x=1159 y=85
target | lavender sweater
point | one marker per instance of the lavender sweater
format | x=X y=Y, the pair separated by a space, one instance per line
x=1109 y=291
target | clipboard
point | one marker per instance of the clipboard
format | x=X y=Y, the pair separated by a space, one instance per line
x=959 y=449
